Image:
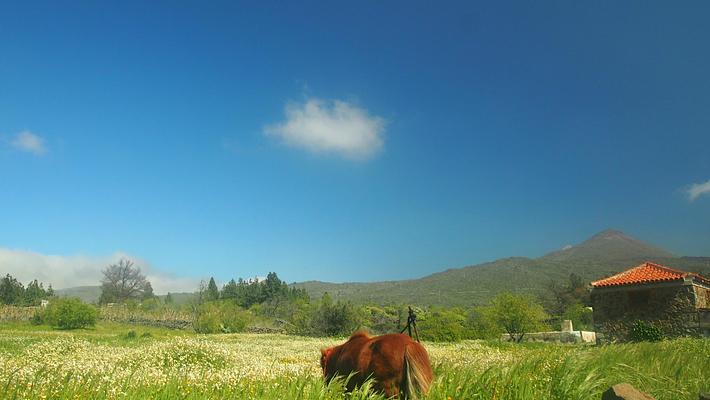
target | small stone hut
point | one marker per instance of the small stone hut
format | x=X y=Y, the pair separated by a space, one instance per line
x=675 y=301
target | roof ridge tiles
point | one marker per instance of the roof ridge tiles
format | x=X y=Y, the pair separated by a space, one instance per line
x=647 y=272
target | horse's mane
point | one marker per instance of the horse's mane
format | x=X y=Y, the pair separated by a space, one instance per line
x=359 y=333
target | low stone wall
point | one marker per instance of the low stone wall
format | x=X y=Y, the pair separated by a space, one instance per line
x=557 y=337
x=14 y=313
x=263 y=329
x=165 y=319
x=168 y=319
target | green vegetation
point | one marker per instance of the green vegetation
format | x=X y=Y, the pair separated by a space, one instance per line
x=604 y=254
x=442 y=325
x=68 y=313
x=644 y=331
x=12 y=292
x=110 y=362
x=220 y=317
x=516 y=315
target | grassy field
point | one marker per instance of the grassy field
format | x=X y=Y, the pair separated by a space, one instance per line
x=109 y=363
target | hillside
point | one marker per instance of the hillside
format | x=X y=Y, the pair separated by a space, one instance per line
x=603 y=254
x=89 y=294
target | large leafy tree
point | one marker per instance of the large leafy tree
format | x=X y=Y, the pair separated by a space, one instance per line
x=123 y=281
x=515 y=315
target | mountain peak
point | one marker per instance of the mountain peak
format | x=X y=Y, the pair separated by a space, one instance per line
x=607 y=245
x=610 y=234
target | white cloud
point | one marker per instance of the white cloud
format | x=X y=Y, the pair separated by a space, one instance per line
x=29 y=142
x=80 y=270
x=330 y=127
x=698 y=189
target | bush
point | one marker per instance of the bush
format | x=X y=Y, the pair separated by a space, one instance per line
x=482 y=325
x=442 y=325
x=37 y=318
x=381 y=320
x=70 y=313
x=221 y=317
x=580 y=316
x=335 y=319
x=514 y=314
x=643 y=331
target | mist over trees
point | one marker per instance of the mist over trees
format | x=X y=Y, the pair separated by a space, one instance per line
x=124 y=281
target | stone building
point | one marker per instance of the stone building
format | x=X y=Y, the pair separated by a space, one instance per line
x=675 y=301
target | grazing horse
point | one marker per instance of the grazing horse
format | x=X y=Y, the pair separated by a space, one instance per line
x=397 y=364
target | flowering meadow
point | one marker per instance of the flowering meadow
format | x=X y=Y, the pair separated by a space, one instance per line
x=132 y=362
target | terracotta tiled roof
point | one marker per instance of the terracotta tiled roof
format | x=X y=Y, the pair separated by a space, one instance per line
x=647 y=272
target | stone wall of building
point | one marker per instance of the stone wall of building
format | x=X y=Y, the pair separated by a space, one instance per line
x=702 y=295
x=672 y=308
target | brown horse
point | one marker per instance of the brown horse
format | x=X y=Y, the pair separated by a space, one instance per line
x=397 y=364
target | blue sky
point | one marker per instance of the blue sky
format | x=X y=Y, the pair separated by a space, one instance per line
x=347 y=141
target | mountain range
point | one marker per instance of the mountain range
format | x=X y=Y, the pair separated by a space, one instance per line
x=602 y=255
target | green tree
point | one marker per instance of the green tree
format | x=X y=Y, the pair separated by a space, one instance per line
x=11 y=291
x=230 y=290
x=563 y=296
x=442 y=325
x=34 y=293
x=482 y=324
x=335 y=318
x=273 y=287
x=382 y=320
x=515 y=314
x=212 y=293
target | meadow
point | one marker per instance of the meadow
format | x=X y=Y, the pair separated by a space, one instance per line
x=115 y=361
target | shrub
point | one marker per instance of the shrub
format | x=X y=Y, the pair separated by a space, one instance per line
x=37 y=318
x=131 y=335
x=482 y=325
x=335 y=319
x=514 y=314
x=70 y=313
x=643 y=331
x=580 y=316
x=442 y=325
x=220 y=317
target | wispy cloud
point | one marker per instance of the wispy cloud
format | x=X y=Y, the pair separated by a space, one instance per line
x=331 y=126
x=80 y=270
x=29 y=142
x=698 y=189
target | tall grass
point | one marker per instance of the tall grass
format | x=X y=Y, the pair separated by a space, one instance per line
x=91 y=365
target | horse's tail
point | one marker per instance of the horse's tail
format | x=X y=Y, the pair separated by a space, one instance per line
x=417 y=371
